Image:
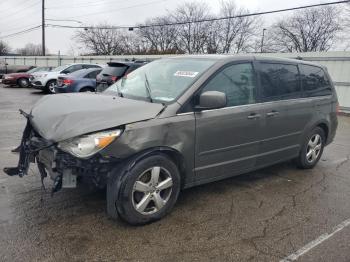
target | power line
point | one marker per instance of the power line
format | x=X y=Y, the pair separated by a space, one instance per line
x=21 y=32
x=204 y=20
x=20 y=10
x=86 y=4
x=118 y=9
x=179 y=23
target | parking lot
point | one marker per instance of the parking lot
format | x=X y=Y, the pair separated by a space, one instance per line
x=273 y=214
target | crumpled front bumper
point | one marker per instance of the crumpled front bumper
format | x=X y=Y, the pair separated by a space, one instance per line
x=63 y=168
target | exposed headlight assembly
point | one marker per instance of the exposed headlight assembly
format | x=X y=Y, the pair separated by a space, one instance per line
x=88 y=145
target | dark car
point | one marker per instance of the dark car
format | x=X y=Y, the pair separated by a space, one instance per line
x=181 y=122
x=22 y=79
x=79 y=81
x=114 y=71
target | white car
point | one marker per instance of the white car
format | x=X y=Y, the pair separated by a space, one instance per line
x=46 y=81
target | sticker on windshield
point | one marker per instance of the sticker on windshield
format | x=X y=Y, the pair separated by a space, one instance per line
x=186 y=73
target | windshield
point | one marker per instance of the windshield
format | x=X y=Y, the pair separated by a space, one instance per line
x=162 y=80
x=59 y=68
x=38 y=69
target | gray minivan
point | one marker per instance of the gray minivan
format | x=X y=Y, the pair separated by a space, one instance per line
x=181 y=122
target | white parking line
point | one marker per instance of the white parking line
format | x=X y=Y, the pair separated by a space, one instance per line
x=316 y=242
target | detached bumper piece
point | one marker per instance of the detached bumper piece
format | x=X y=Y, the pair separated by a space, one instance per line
x=29 y=147
x=24 y=157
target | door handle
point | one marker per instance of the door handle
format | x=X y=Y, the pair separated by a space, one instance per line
x=272 y=113
x=254 y=116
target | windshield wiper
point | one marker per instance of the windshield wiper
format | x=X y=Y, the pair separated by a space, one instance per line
x=148 y=89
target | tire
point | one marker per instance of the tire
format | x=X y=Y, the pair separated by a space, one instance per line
x=50 y=87
x=87 y=89
x=23 y=82
x=312 y=149
x=139 y=200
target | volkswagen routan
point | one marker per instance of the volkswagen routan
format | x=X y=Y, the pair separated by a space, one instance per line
x=180 y=122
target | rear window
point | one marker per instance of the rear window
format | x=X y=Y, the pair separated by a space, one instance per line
x=114 y=70
x=279 y=80
x=315 y=81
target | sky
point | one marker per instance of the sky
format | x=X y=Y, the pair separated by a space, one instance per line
x=18 y=15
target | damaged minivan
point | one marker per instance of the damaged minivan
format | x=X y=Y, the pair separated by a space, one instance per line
x=180 y=122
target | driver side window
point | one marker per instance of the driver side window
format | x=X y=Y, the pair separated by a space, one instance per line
x=237 y=82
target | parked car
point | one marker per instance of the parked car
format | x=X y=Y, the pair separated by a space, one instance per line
x=114 y=71
x=22 y=79
x=8 y=69
x=181 y=122
x=46 y=81
x=79 y=81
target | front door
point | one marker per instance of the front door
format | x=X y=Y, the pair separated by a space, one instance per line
x=227 y=139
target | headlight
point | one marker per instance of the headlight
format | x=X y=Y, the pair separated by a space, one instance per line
x=88 y=145
x=40 y=75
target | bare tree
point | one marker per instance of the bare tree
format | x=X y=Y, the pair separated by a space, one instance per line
x=235 y=34
x=30 y=49
x=192 y=36
x=100 y=41
x=160 y=35
x=309 y=30
x=4 y=48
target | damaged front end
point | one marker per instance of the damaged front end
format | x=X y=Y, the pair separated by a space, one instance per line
x=62 y=167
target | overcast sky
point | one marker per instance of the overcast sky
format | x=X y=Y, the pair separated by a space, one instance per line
x=21 y=14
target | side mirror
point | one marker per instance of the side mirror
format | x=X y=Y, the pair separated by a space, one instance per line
x=211 y=100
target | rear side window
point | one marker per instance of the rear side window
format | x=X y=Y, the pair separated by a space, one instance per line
x=237 y=82
x=279 y=81
x=314 y=80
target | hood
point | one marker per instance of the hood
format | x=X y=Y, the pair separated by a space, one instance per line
x=62 y=116
x=17 y=74
x=48 y=73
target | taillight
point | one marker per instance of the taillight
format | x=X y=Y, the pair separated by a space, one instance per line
x=68 y=81
x=114 y=78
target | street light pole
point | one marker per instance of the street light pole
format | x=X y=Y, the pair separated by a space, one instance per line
x=43 y=27
x=262 y=40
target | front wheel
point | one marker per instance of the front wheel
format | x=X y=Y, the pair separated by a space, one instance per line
x=50 y=87
x=146 y=192
x=23 y=82
x=312 y=149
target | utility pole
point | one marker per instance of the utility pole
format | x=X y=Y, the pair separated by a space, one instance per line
x=262 y=41
x=43 y=27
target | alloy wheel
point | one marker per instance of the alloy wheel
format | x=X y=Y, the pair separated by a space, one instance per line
x=314 y=147
x=23 y=82
x=52 y=87
x=152 y=190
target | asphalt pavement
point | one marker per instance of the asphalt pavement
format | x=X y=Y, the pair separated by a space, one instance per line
x=279 y=213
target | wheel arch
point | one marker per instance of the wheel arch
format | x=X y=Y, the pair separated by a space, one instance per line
x=87 y=87
x=48 y=81
x=171 y=153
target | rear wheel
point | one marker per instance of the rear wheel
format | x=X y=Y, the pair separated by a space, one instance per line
x=312 y=149
x=23 y=82
x=146 y=192
x=50 y=86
